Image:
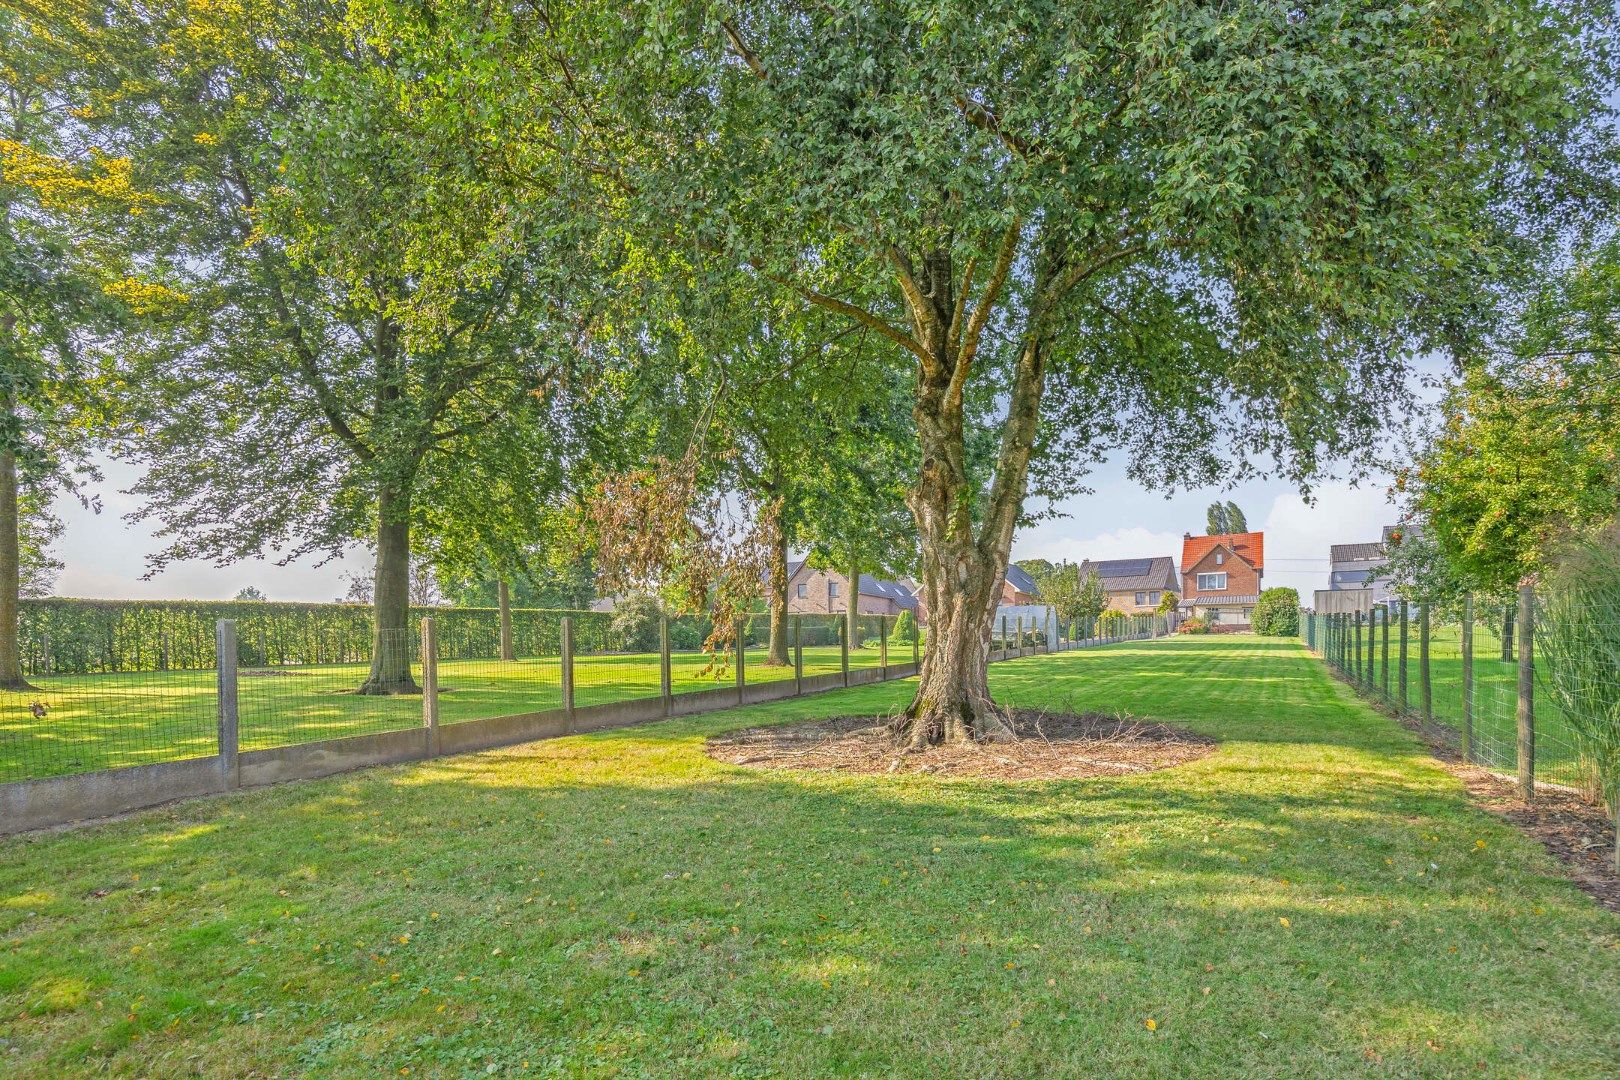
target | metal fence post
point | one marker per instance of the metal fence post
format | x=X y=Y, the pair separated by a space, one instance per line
x=742 y=647
x=883 y=646
x=666 y=687
x=1426 y=685
x=1356 y=659
x=798 y=654
x=1405 y=648
x=230 y=766
x=1383 y=669
x=430 y=684
x=1468 y=679
x=1527 y=691
x=568 y=670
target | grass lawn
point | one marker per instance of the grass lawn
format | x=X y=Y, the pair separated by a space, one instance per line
x=103 y=721
x=1315 y=899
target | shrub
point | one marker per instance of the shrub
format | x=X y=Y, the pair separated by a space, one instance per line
x=1578 y=643
x=1196 y=625
x=1276 y=613
x=905 y=629
x=635 y=623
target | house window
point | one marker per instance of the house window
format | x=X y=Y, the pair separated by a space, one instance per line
x=1141 y=598
x=1220 y=557
x=804 y=590
x=1211 y=582
x=832 y=590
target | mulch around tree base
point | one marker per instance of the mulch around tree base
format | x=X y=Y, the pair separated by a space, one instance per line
x=1574 y=829
x=1051 y=746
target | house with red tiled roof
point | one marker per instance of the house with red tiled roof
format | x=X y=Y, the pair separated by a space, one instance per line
x=1220 y=577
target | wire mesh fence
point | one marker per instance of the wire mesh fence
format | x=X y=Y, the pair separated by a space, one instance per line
x=1461 y=672
x=321 y=684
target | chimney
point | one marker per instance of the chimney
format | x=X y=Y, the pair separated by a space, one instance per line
x=1186 y=536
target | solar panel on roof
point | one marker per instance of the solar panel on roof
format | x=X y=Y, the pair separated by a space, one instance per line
x=1125 y=568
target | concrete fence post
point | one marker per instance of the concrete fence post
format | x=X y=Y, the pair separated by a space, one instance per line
x=883 y=646
x=1425 y=682
x=798 y=654
x=430 y=684
x=742 y=648
x=843 y=648
x=666 y=688
x=568 y=670
x=230 y=768
x=1004 y=637
x=916 y=647
x=1468 y=679
x=1527 y=691
x=1019 y=630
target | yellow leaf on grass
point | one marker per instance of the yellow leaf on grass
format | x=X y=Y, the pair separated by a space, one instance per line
x=1151 y=1024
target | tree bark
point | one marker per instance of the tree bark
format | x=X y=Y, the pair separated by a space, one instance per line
x=777 y=655
x=503 y=600
x=11 y=675
x=391 y=598
x=852 y=606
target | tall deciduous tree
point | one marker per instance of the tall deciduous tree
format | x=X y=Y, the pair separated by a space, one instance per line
x=63 y=286
x=1228 y=223
x=359 y=308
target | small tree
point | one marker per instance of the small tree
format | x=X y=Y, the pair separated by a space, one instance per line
x=1167 y=603
x=1093 y=598
x=1276 y=613
x=905 y=629
x=252 y=592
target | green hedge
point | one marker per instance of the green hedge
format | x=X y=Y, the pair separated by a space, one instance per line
x=67 y=637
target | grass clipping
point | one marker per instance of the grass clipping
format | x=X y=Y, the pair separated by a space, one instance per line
x=1050 y=746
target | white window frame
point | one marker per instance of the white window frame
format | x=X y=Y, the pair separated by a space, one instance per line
x=1202 y=578
x=803 y=591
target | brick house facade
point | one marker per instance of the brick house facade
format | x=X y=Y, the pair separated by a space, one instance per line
x=1221 y=578
x=826 y=592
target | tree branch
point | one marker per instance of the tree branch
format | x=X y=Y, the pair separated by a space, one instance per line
x=859 y=314
x=740 y=47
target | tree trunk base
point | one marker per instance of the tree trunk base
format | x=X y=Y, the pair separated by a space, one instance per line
x=968 y=721
x=19 y=684
x=385 y=688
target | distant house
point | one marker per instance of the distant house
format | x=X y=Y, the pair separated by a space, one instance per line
x=1134 y=586
x=1220 y=577
x=1354 y=568
x=826 y=592
x=1018 y=587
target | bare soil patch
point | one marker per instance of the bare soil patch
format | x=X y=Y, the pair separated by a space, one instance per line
x=1051 y=746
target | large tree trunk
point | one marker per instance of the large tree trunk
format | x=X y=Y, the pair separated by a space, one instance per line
x=503 y=600
x=11 y=675
x=391 y=599
x=964 y=562
x=778 y=653
x=852 y=606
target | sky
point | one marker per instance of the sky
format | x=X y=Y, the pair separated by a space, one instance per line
x=105 y=554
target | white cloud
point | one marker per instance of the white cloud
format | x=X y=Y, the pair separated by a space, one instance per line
x=1298 y=534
